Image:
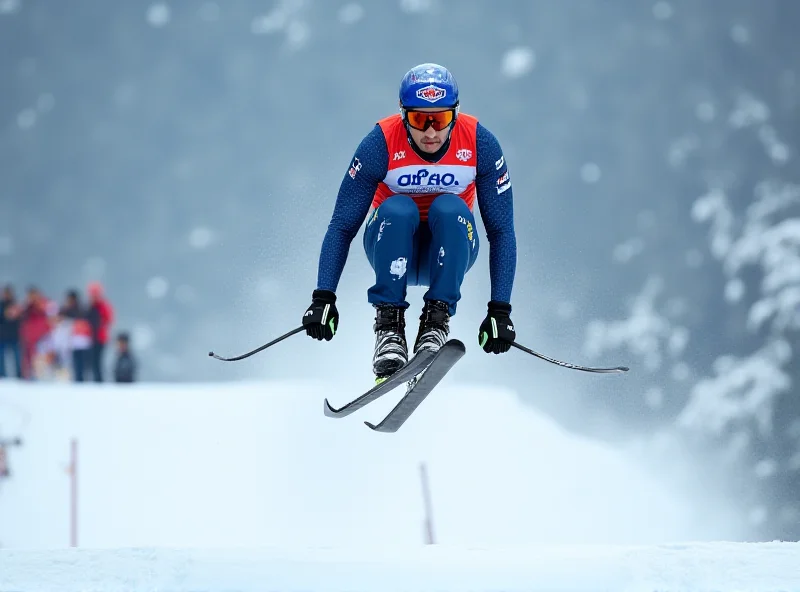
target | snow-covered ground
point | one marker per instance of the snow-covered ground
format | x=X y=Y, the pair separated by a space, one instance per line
x=247 y=486
x=554 y=568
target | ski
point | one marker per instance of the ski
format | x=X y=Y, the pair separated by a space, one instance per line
x=421 y=386
x=413 y=367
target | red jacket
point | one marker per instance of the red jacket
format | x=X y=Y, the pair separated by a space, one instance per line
x=35 y=324
x=101 y=316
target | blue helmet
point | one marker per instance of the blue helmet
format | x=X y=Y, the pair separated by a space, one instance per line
x=428 y=85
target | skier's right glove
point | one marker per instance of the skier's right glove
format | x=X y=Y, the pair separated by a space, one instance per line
x=497 y=331
x=321 y=318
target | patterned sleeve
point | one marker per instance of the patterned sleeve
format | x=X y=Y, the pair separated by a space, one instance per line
x=366 y=170
x=495 y=200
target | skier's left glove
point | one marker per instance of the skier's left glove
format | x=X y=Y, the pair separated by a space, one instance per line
x=321 y=318
x=497 y=330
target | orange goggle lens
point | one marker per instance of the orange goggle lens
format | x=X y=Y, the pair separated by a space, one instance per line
x=438 y=120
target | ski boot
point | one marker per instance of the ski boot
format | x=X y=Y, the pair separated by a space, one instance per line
x=391 y=349
x=433 y=327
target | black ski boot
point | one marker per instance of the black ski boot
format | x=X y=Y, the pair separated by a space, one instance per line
x=391 y=349
x=433 y=327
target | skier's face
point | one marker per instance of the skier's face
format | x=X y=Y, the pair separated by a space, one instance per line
x=429 y=140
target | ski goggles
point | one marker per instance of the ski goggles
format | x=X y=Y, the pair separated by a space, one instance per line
x=438 y=120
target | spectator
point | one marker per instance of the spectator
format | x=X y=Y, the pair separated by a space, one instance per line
x=100 y=317
x=49 y=349
x=80 y=342
x=10 y=313
x=53 y=350
x=125 y=366
x=34 y=326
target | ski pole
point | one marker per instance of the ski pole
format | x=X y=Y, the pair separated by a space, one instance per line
x=258 y=349
x=567 y=364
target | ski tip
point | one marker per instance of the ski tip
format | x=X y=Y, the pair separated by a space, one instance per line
x=457 y=344
x=378 y=428
x=328 y=410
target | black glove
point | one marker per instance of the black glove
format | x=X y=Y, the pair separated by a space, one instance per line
x=497 y=330
x=321 y=318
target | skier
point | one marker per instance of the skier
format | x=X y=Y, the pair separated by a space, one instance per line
x=414 y=179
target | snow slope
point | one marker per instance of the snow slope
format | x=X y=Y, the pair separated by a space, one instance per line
x=247 y=486
x=258 y=464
